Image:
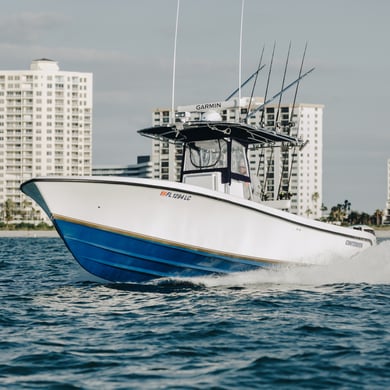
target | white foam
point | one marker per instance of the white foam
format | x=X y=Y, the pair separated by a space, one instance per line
x=371 y=266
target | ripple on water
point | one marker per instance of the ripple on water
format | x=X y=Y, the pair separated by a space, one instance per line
x=326 y=326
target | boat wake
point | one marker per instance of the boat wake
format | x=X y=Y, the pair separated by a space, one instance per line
x=371 y=266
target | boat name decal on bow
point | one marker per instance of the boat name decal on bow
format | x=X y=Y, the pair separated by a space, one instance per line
x=175 y=195
x=354 y=243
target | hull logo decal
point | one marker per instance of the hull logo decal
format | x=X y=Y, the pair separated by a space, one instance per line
x=354 y=243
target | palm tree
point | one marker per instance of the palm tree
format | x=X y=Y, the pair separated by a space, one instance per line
x=24 y=209
x=315 y=197
x=364 y=219
x=378 y=216
x=354 y=217
x=347 y=206
x=337 y=213
x=9 y=209
x=308 y=212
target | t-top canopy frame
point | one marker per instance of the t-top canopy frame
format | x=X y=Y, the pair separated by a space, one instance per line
x=202 y=131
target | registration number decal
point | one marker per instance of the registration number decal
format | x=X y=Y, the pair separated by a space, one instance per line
x=175 y=195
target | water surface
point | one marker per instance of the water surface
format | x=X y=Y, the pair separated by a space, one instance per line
x=313 y=327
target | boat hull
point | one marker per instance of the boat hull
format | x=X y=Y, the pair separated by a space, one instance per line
x=135 y=230
x=120 y=257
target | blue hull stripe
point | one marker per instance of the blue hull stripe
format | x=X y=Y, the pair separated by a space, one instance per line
x=250 y=260
x=149 y=258
x=124 y=258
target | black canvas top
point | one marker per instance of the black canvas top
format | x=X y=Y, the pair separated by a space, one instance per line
x=202 y=131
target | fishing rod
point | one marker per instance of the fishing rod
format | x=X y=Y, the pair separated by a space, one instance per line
x=255 y=81
x=291 y=123
x=296 y=89
x=265 y=181
x=293 y=155
x=280 y=92
x=284 y=151
x=266 y=88
x=261 y=158
x=284 y=79
x=245 y=82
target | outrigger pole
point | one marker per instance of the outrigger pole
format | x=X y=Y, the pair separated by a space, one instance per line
x=245 y=82
x=250 y=114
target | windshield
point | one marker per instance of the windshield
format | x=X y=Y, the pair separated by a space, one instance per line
x=206 y=155
x=239 y=161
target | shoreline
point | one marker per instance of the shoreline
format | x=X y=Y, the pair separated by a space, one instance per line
x=380 y=233
x=28 y=233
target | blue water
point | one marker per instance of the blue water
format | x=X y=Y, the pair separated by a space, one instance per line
x=307 y=328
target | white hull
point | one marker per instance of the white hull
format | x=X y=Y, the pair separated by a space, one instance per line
x=192 y=219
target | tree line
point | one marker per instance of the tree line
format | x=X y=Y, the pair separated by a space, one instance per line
x=342 y=213
x=24 y=216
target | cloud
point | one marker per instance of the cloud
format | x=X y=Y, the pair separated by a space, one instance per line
x=29 y=27
x=67 y=54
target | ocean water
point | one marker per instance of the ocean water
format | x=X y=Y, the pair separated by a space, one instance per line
x=307 y=328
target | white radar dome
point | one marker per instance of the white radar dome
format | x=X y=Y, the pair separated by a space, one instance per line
x=211 y=116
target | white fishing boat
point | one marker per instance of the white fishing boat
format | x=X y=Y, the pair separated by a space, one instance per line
x=135 y=230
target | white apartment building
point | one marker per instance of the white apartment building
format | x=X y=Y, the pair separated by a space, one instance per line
x=294 y=173
x=143 y=168
x=386 y=214
x=45 y=129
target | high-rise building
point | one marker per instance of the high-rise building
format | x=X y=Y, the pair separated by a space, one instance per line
x=143 y=168
x=45 y=129
x=276 y=172
x=386 y=216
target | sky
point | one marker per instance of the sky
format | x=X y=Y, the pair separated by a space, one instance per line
x=128 y=46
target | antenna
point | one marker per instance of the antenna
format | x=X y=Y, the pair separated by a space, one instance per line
x=266 y=88
x=254 y=83
x=284 y=78
x=174 y=64
x=240 y=54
